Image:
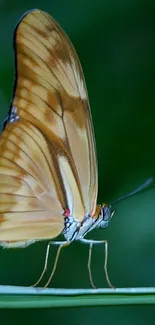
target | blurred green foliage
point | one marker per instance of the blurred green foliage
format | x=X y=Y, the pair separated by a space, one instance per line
x=115 y=41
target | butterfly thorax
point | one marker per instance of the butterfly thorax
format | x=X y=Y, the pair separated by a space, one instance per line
x=75 y=230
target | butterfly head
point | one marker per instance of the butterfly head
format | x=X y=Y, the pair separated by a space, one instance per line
x=107 y=214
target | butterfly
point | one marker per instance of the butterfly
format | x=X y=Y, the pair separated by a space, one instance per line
x=48 y=163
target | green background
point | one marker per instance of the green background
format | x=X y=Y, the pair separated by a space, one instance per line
x=115 y=41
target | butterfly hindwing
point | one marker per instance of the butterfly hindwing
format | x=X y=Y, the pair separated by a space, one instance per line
x=29 y=205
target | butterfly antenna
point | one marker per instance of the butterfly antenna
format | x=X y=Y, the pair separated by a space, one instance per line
x=137 y=190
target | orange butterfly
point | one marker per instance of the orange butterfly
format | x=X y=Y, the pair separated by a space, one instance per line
x=48 y=164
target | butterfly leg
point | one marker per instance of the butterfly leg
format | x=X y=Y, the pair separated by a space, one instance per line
x=45 y=266
x=89 y=265
x=96 y=242
x=61 y=245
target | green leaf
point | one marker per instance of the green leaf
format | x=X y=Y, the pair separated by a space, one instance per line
x=28 y=297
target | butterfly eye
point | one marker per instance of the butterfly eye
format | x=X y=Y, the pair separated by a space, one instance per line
x=107 y=215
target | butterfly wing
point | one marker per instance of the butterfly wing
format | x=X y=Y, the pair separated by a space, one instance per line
x=29 y=204
x=50 y=92
x=47 y=149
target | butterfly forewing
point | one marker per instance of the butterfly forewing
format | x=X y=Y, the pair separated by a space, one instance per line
x=50 y=91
